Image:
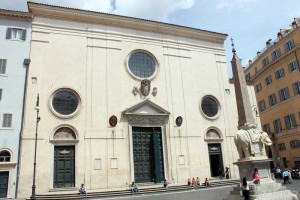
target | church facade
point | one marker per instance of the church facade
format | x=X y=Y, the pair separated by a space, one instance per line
x=124 y=99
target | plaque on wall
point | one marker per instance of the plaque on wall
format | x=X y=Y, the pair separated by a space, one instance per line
x=179 y=120
x=113 y=120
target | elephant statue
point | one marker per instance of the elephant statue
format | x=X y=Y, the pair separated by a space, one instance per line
x=250 y=141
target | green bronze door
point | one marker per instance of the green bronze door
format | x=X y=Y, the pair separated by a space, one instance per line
x=3 y=184
x=148 y=154
x=64 y=166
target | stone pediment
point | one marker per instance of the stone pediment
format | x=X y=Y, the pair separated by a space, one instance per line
x=146 y=107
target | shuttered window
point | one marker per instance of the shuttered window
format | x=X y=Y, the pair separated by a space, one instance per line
x=290 y=121
x=16 y=33
x=7 y=120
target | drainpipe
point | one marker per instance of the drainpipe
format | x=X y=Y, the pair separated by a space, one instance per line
x=25 y=64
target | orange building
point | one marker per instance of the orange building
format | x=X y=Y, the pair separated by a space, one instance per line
x=276 y=77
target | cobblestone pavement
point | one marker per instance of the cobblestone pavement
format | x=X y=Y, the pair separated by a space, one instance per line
x=218 y=193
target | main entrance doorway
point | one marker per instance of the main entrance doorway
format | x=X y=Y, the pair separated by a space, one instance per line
x=215 y=159
x=148 y=154
x=64 y=166
x=3 y=184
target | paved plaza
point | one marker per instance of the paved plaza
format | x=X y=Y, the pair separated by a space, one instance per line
x=218 y=193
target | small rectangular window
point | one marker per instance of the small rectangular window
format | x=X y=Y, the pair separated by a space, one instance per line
x=279 y=73
x=295 y=143
x=261 y=106
x=248 y=77
x=272 y=100
x=16 y=33
x=255 y=70
x=293 y=66
x=277 y=125
x=2 y=66
x=284 y=94
x=289 y=45
x=258 y=87
x=266 y=128
x=0 y=94
x=265 y=61
x=268 y=80
x=7 y=120
x=275 y=54
x=290 y=121
x=281 y=146
x=296 y=87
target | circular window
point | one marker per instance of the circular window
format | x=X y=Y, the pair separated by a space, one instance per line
x=65 y=102
x=142 y=64
x=209 y=106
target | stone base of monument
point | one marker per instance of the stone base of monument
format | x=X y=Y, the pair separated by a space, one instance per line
x=267 y=189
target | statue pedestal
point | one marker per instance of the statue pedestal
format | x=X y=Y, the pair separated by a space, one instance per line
x=268 y=188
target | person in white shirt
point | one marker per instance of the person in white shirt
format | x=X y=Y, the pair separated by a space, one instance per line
x=245 y=188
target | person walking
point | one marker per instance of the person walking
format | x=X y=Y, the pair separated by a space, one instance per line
x=244 y=185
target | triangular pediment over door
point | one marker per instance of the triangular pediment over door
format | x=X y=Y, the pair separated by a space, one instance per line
x=146 y=112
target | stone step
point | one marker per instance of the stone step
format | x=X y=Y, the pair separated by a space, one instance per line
x=147 y=190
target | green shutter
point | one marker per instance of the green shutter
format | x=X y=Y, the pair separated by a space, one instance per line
x=23 y=34
x=8 y=33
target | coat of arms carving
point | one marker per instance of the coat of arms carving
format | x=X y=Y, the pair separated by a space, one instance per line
x=145 y=87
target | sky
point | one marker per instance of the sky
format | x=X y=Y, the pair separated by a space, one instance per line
x=249 y=22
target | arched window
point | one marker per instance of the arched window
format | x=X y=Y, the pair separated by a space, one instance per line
x=213 y=134
x=64 y=133
x=4 y=156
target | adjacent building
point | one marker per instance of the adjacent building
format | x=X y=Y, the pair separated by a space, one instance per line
x=14 y=60
x=276 y=78
x=124 y=99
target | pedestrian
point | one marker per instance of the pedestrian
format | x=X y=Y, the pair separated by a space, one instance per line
x=255 y=176
x=278 y=173
x=189 y=182
x=134 y=188
x=285 y=177
x=82 y=189
x=244 y=185
x=165 y=183
x=290 y=176
x=227 y=173
x=206 y=182
x=198 y=181
x=194 y=182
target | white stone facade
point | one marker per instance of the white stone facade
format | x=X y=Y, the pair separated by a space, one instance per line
x=87 y=53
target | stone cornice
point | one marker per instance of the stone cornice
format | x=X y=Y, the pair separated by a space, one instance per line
x=63 y=13
x=18 y=15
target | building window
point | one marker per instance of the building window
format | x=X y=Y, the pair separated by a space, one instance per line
x=142 y=64
x=265 y=61
x=7 y=120
x=268 y=80
x=0 y=94
x=258 y=87
x=296 y=87
x=248 y=77
x=2 y=66
x=293 y=66
x=4 y=156
x=281 y=146
x=272 y=100
x=284 y=94
x=15 y=33
x=209 y=106
x=289 y=45
x=266 y=128
x=255 y=70
x=295 y=143
x=262 y=105
x=65 y=102
x=290 y=121
x=279 y=73
x=277 y=125
x=275 y=54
